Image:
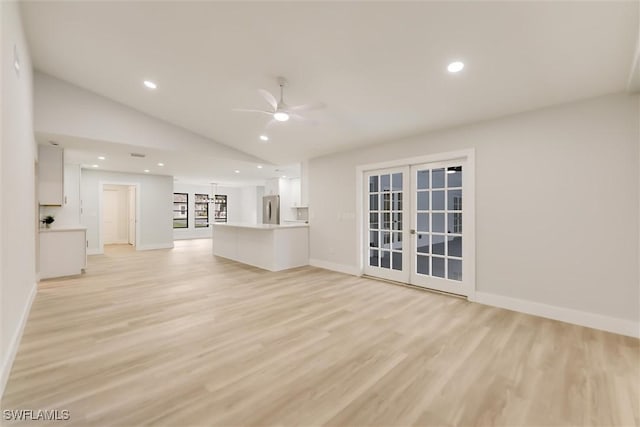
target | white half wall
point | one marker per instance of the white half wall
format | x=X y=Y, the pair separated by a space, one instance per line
x=155 y=195
x=18 y=206
x=557 y=204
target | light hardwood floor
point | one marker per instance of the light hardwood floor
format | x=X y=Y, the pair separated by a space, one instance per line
x=177 y=337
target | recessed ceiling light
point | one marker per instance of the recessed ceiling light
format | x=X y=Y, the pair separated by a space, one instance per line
x=455 y=67
x=101 y=157
x=94 y=166
x=281 y=116
x=259 y=166
x=284 y=176
x=264 y=137
x=149 y=84
x=160 y=164
x=146 y=171
x=236 y=171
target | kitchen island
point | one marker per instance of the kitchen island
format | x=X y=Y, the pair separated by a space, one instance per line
x=269 y=246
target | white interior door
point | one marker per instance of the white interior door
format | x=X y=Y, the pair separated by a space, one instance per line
x=416 y=228
x=115 y=214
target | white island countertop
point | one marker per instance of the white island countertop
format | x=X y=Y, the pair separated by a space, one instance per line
x=62 y=228
x=260 y=226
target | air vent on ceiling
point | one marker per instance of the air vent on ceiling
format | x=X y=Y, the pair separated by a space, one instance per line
x=138 y=155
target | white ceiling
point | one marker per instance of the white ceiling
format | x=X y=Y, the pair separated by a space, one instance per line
x=380 y=67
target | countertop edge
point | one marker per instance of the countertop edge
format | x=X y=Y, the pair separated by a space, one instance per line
x=60 y=229
x=261 y=226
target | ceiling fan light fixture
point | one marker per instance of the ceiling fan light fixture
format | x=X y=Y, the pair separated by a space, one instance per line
x=455 y=67
x=281 y=116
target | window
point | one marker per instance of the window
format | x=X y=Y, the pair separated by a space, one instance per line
x=180 y=210
x=220 y=208
x=202 y=211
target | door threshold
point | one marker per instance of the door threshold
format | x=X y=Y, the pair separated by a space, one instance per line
x=418 y=288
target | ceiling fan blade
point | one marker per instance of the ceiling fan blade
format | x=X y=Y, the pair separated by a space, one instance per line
x=300 y=118
x=246 y=110
x=269 y=98
x=271 y=123
x=308 y=107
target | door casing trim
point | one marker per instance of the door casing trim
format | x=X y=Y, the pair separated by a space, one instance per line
x=470 y=201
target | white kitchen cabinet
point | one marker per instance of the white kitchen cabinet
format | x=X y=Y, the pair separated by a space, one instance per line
x=50 y=175
x=63 y=251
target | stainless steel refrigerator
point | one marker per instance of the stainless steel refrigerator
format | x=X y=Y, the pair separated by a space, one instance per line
x=271 y=210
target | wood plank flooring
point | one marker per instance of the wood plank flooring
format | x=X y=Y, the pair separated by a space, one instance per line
x=180 y=338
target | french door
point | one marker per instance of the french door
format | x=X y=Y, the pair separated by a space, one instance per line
x=417 y=227
x=387 y=256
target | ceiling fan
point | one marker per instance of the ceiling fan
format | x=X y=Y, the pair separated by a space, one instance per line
x=280 y=111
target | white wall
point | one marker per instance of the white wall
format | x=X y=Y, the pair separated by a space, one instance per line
x=234 y=202
x=69 y=213
x=556 y=204
x=155 y=218
x=192 y=232
x=17 y=179
x=249 y=205
x=260 y=193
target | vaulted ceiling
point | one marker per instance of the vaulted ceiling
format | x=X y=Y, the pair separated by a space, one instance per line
x=379 y=67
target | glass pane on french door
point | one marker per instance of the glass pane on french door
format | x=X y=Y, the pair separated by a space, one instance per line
x=438 y=225
x=385 y=236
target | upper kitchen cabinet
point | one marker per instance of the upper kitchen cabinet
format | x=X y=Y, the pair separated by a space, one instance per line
x=50 y=175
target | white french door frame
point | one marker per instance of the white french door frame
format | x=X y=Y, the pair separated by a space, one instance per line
x=468 y=156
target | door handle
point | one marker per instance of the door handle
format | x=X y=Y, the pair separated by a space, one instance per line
x=412 y=231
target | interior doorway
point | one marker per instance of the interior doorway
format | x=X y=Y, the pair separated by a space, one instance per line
x=118 y=223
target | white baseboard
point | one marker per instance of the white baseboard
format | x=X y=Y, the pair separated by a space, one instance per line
x=96 y=251
x=153 y=247
x=7 y=363
x=577 y=317
x=340 y=268
x=191 y=237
